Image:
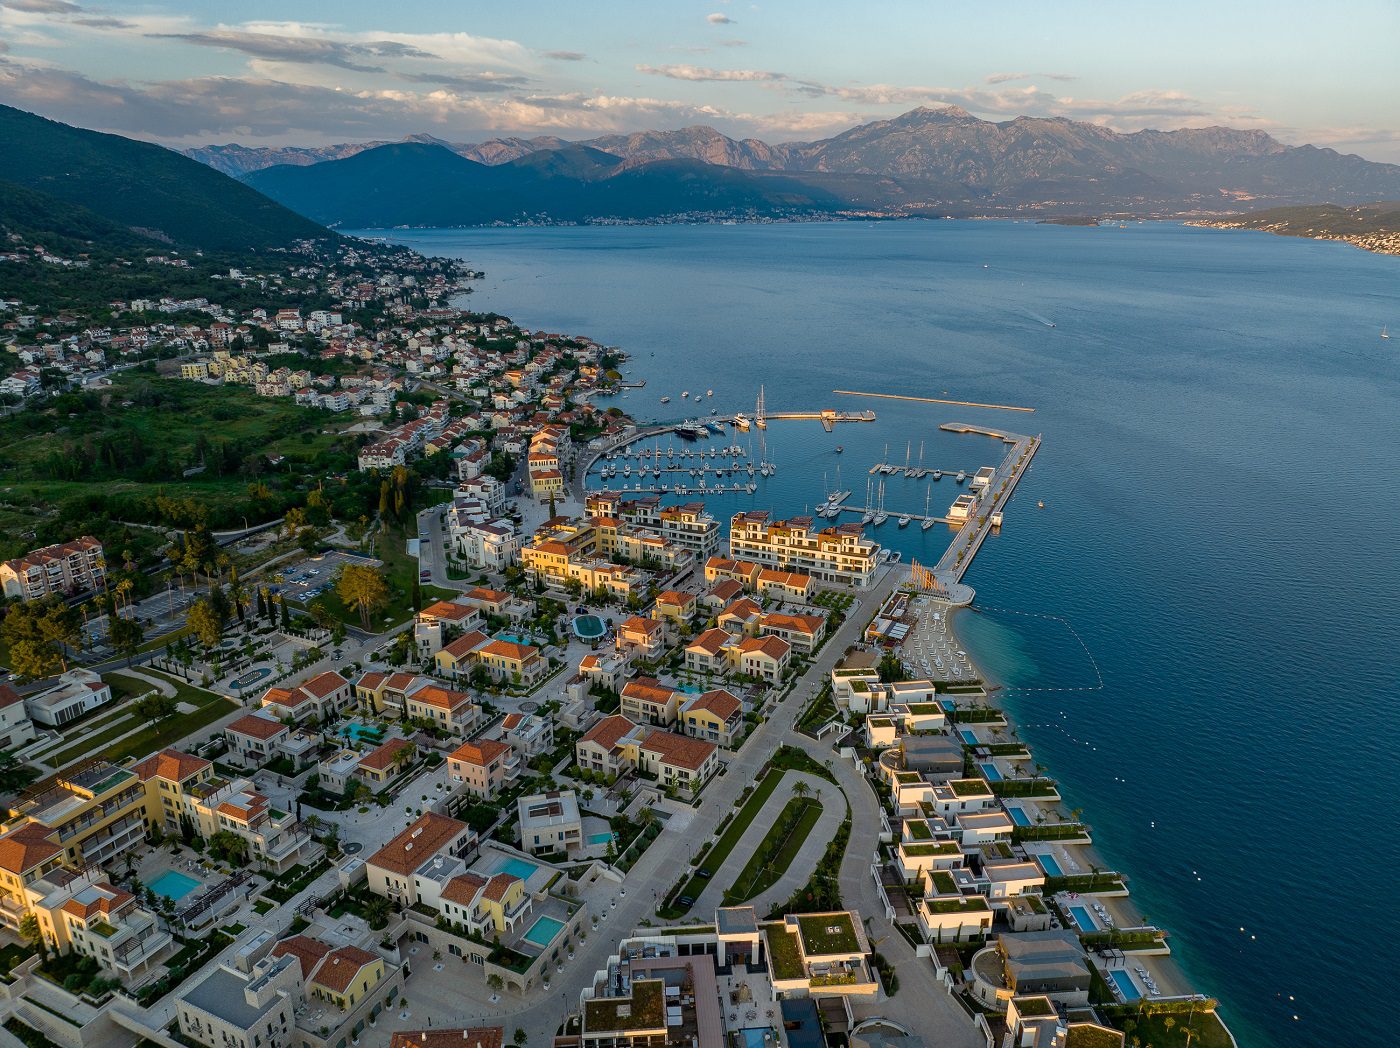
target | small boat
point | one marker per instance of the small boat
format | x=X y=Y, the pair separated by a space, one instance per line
x=840 y=449
x=685 y=394
x=928 y=523
x=665 y=400
x=962 y=475
x=904 y=520
x=1385 y=332
x=709 y=392
x=880 y=518
x=938 y=474
x=867 y=516
x=1040 y=504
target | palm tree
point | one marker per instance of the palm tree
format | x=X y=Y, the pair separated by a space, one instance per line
x=800 y=789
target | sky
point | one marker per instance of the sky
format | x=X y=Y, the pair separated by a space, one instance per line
x=307 y=72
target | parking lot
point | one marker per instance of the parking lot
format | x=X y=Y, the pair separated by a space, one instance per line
x=306 y=581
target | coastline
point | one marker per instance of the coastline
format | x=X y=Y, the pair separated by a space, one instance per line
x=1178 y=981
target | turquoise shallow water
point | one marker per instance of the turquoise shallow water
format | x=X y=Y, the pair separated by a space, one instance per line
x=1221 y=526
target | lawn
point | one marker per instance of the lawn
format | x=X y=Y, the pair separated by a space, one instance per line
x=732 y=834
x=825 y=934
x=1207 y=1030
x=776 y=851
x=156 y=736
x=400 y=570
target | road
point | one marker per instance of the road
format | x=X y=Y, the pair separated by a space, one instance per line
x=922 y=1001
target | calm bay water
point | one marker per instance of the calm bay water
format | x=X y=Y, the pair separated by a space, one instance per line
x=1221 y=529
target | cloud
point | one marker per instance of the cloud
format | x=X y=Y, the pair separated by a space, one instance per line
x=486 y=83
x=565 y=56
x=1006 y=78
x=700 y=73
x=719 y=19
x=43 y=7
x=103 y=22
x=298 y=50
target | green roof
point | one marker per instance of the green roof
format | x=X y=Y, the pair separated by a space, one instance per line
x=940 y=848
x=974 y=904
x=1034 y=1007
x=970 y=788
x=824 y=934
x=646 y=1009
x=943 y=882
x=784 y=958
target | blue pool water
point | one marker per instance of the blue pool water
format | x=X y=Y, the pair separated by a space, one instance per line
x=174 y=886
x=1179 y=359
x=362 y=732
x=1083 y=918
x=600 y=838
x=755 y=1038
x=543 y=931
x=588 y=627
x=519 y=868
x=514 y=638
x=1124 y=982
x=1046 y=860
x=1019 y=816
x=968 y=737
x=990 y=773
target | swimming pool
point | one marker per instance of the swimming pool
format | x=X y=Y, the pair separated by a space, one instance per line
x=363 y=732
x=1019 y=816
x=754 y=1037
x=173 y=885
x=1124 y=982
x=968 y=737
x=990 y=773
x=252 y=677
x=1049 y=865
x=514 y=638
x=519 y=868
x=600 y=838
x=1083 y=918
x=589 y=627
x=543 y=931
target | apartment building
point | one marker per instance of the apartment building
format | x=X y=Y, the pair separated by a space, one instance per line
x=838 y=555
x=391 y=870
x=16 y=726
x=63 y=569
x=77 y=692
x=687 y=526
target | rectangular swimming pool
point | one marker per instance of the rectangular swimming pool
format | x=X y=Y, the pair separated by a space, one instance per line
x=543 y=931
x=990 y=773
x=173 y=885
x=1083 y=918
x=600 y=838
x=968 y=737
x=1049 y=865
x=519 y=868
x=1019 y=816
x=1124 y=982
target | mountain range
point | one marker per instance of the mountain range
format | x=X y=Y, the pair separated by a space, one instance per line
x=66 y=182
x=930 y=161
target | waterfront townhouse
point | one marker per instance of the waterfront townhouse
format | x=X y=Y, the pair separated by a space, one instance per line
x=721 y=594
x=386 y=762
x=256 y=738
x=488 y=907
x=765 y=658
x=482 y=766
x=1051 y=963
x=346 y=988
x=417 y=697
x=645 y=638
x=229 y=1008
x=16 y=726
x=510 y=662
x=721 y=569
x=64 y=569
x=706 y=653
x=675 y=607
x=527 y=733
x=1006 y=878
x=606 y=669
x=647 y=701
x=742 y=617
x=838 y=555
x=77 y=692
x=784 y=585
x=93 y=813
x=550 y=822
x=390 y=870
x=677 y=761
x=323 y=696
x=456 y=658
x=715 y=716
x=602 y=748
x=802 y=632
x=946 y=914
x=184 y=790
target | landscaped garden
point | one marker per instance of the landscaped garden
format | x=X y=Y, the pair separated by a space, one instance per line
x=776 y=852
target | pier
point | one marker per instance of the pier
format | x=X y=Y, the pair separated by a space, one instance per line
x=828 y=417
x=986 y=514
x=931 y=400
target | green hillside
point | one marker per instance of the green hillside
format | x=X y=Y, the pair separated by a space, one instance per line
x=166 y=197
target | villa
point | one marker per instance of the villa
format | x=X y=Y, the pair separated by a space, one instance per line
x=550 y=822
x=615 y=745
x=483 y=766
x=826 y=952
x=715 y=716
x=77 y=692
x=647 y=701
x=324 y=695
